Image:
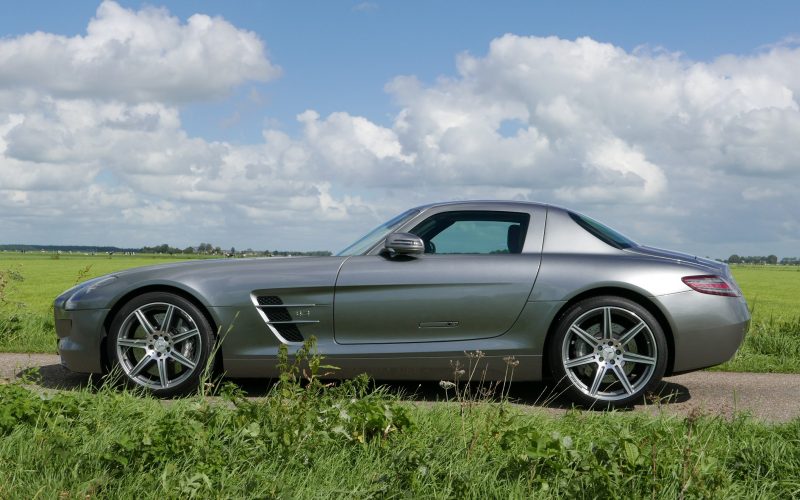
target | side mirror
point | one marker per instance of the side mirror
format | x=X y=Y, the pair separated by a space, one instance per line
x=404 y=244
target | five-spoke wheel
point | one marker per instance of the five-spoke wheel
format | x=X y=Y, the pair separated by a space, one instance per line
x=608 y=351
x=161 y=342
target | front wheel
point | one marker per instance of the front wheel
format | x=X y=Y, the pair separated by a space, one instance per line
x=607 y=351
x=161 y=342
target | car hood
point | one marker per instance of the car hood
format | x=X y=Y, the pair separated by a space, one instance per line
x=215 y=282
x=712 y=265
x=215 y=266
x=184 y=265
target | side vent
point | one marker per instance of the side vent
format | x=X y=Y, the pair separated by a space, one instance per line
x=279 y=319
x=290 y=332
x=269 y=300
x=278 y=314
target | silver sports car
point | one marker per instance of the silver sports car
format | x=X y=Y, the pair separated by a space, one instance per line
x=570 y=298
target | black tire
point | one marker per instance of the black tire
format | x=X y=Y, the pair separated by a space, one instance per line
x=146 y=356
x=581 y=349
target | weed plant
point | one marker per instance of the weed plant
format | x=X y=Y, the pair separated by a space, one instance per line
x=311 y=439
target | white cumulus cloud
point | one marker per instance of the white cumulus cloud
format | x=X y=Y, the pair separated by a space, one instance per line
x=678 y=152
x=144 y=55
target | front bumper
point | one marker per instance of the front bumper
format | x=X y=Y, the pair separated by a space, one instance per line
x=707 y=329
x=80 y=338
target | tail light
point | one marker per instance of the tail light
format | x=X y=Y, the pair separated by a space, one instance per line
x=711 y=284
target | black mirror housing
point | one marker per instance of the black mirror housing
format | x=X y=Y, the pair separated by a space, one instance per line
x=404 y=244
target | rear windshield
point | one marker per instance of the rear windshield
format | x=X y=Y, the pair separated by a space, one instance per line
x=602 y=232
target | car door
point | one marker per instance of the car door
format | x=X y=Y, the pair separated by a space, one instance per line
x=472 y=282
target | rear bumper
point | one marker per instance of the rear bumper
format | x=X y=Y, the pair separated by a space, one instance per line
x=80 y=337
x=707 y=329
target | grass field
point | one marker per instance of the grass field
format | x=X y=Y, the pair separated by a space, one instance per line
x=353 y=441
x=45 y=277
x=773 y=293
x=773 y=343
x=33 y=280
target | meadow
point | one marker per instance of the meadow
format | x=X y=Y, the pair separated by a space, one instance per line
x=773 y=342
x=306 y=439
x=29 y=282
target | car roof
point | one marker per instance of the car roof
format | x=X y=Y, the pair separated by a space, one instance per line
x=507 y=203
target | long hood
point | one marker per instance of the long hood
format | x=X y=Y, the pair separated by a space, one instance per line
x=208 y=267
x=222 y=282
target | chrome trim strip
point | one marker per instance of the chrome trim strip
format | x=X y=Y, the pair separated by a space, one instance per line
x=293 y=322
x=288 y=305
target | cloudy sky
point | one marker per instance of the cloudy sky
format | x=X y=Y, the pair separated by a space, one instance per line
x=301 y=125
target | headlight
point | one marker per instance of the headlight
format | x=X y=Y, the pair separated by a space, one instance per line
x=86 y=288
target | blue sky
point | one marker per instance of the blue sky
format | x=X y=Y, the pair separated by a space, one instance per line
x=343 y=59
x=339 y=54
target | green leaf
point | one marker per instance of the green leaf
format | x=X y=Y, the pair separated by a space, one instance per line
x=631 y=452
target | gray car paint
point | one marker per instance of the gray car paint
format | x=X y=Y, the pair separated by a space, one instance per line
x=379 y=310
x=405 y=298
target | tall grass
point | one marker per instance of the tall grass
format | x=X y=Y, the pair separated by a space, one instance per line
x=25 y=331
x=309 y=439
x=772 y=346
x=20 y=328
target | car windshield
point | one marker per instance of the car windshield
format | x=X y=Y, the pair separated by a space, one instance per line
x=370 y=239
x=603 y=232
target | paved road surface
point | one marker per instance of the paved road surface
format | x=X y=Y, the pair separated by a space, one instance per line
x=767 y=396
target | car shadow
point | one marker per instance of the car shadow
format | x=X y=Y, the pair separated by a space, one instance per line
x=532 y=394
x=57 y=377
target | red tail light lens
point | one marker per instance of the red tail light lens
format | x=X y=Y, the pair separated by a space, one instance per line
x=710 y=284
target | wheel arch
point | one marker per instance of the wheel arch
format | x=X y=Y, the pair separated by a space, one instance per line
x=625 y=293
x=124 y=299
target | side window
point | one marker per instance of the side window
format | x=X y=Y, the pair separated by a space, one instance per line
x=474 y=232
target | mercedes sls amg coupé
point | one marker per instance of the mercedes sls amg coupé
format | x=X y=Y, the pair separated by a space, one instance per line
x=571 y=299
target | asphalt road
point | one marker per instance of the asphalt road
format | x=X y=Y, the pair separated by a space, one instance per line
x=771 y=397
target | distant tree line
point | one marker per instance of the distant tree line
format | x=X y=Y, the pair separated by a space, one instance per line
x=209 y=249
x=66 y=248
x=202 y=248
x=161 y=249
x=763 y=259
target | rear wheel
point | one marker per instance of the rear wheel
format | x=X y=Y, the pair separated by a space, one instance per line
x=161 y=342
x=608 y=351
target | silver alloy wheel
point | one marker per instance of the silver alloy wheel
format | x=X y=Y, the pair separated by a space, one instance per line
x=609 y=353
x=159 y=345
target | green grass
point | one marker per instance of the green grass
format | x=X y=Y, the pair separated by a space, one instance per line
x=34 y=280
x=771 y=346
x=45 y=277
x=26 y=325
x=772 y=292
x=773 y=343
x=350 y=441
